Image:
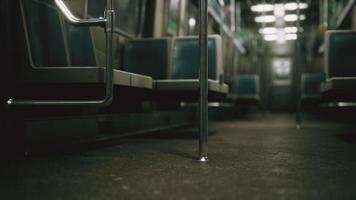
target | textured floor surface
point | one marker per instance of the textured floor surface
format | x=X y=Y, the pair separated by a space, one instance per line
x=257 y=158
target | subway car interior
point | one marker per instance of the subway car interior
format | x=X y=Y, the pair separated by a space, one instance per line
x=178 y=99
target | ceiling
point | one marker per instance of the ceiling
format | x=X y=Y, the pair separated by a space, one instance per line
x=312 y=12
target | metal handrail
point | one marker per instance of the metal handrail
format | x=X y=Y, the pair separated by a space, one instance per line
x=74 y=20
x=344 y=13
x=203 y=81
x=108 y=22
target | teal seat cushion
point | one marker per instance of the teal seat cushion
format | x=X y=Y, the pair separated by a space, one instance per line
x=311 y=83
x=185 y=58
x=341 y=54
x=245 y=85
x=80 y=45
x=149 y=57
x=44 y=33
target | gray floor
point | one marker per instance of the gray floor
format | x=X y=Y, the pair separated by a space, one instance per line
x=257 y=158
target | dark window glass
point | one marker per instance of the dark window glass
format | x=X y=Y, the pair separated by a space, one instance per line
x=173 y=17
x=128 y=14
x=128 y=17
x=191 y=19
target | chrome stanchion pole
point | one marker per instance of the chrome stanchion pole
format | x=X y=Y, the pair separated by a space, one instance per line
x=203 y=81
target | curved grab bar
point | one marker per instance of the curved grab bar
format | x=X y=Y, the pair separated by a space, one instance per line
x=108 y=22
x=74 y=20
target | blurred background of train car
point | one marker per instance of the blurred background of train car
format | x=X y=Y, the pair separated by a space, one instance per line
x=281 y=84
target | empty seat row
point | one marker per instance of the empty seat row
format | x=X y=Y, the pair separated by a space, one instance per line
x=340 y=66
x=173 y=63
x=338 y=82
x=310 y=86
x=245 y=87
x=62 y=53
x=310 y=92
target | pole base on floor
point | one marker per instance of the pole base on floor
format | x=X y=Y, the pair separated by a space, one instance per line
x=203 y=159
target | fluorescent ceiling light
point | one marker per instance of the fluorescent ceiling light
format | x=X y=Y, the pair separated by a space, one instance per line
x=273 y=30
x=303 y=5
x=265 y=19
x=291 y=6
x=270 y=7
x=291 y=29
x=268 y=30
x=192 y=22
x=293 y=17
x=270 y=37
x=294 y=6
x=291 y=36
x=262 y=8
x=280 y=38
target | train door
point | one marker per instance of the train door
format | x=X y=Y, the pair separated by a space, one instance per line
x=281 y=92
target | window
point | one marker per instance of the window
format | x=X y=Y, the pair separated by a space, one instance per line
x=282 y=70
x=191 y=19
x=173 y=17
x=128 y=18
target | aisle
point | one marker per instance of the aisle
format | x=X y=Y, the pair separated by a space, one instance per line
x=255 y=158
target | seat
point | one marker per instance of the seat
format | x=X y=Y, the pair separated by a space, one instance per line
x=174 y=64
x=60 y=53
x=150 y=57
x=340 y=67
x=188 y=85
x=310 y=86
x=245 y=87
x=184 y=70
x=310 y=94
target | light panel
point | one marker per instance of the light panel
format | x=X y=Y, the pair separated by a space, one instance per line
x=265 y=19
x=268 y=30
x=294 y=6
x=270 y=7
x=262 y=8
x=192 y=22
x=291 y=36
x=294 y=17
x=270 y=37
x=273 y=30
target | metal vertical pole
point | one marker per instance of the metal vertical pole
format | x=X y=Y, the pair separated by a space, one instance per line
x=325 y=22
x=203 y=81
x=298 y=72
x=233 y=16
x=109 y=32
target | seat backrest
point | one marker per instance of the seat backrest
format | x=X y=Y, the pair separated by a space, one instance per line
x=53 y=41
x=79 y=38
x=149 y=57
x=311 y=83
x=44 y=34
x=245 y=84
x=80 y=45
x=95 y=9
x=185 y=58
x=340 y=48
